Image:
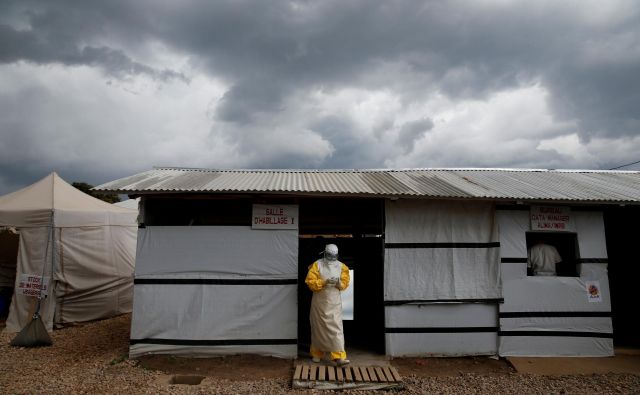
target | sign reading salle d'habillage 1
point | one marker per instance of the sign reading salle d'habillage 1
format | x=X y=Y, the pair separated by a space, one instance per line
x=552 y=218
x=274 y=216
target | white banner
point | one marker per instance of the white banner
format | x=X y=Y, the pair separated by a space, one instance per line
x=33 y=285
x=270 y=216
x=551 y=218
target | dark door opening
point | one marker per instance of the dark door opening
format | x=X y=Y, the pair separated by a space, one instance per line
x=623 y=271
x=355 y=226
x=9 y=243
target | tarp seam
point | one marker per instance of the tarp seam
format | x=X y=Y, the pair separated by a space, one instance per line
x=556 y=334
x=231 y=342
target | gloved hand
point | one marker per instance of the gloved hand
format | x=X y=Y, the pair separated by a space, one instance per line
x=332 y=281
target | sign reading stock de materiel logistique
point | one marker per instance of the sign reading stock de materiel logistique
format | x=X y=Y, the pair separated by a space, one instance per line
x=553 y=218
x=274 y=216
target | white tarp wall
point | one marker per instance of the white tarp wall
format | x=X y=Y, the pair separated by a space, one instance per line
x=90 y=273
x=553 y=316
x=209 y=290
x=442 y=278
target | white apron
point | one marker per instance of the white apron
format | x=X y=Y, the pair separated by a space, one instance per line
x=326 y=312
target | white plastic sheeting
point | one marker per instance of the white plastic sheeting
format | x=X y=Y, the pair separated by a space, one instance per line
x=441 y=250
x=438 y=221
x=441 y=274
x=216 y=313
x=553 y=314
x=217 y=251
x=32 y=260
x=87 y=292
x=591 y=237
x=442 y=329
x=553 y=346
x=208 y=290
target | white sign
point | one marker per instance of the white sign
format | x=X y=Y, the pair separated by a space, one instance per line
x=270 y=216
x=33 y=285
x=551 y=218
x=593 y=291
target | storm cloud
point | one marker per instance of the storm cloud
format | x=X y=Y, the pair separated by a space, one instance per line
x=102 y=90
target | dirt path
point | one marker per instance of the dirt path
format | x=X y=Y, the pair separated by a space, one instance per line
x=92 y=359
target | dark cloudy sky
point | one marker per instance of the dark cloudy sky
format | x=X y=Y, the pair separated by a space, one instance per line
x=98 y=90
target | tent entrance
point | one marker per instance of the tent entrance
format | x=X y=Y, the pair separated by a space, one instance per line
x=9 y=242
x=355 y=226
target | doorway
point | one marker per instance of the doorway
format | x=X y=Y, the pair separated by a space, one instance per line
x=356 y=227
x=621 y=232
x=9 y=242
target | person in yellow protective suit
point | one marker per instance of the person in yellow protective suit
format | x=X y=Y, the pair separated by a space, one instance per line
x=327 y=277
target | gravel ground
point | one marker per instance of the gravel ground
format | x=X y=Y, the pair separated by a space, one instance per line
x=92 y=359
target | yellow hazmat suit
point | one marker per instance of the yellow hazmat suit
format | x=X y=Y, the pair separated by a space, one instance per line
x=326 y=307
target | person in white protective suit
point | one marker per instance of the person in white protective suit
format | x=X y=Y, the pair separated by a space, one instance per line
x=542 y=259
x=327 y=277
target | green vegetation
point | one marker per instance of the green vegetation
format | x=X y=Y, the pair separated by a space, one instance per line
x=86 y=188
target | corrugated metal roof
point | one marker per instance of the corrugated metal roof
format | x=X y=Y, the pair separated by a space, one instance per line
x=516 y=184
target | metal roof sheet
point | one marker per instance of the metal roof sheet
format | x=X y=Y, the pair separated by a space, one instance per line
x=518 y=184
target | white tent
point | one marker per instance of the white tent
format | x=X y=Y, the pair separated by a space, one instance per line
x=81 y=249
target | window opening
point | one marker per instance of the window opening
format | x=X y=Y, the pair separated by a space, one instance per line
x=552 y=254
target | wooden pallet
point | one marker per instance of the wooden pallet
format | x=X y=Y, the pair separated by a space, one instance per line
x=345 y=377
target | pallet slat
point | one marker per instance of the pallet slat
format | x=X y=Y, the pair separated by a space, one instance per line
x=357 y=374
x=380 y=374
x=347 y=374
x=331 y=373
x=365 y=374
x=372 y=373
x=388 y=373
x=395 y=373
x=341 y=377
